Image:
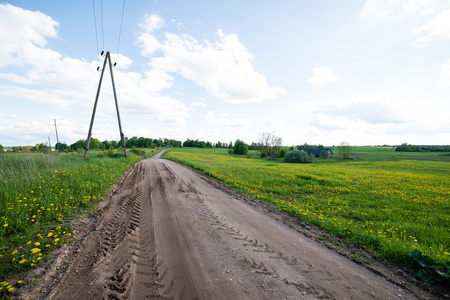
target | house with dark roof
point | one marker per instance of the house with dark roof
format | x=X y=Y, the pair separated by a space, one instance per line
x=316 y=151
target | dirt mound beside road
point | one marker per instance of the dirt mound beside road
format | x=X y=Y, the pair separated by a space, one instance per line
x=167 y=233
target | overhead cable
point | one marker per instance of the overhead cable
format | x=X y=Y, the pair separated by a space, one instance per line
x=120 y=30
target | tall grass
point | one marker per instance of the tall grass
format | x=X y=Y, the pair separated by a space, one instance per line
x=39 y=195
x=392 y=207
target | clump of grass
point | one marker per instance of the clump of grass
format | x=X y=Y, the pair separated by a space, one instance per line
x=39 y=196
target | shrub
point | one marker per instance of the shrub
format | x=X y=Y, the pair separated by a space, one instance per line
x=296 y=156
x=281 y=153
x=263 y=154
x=324 y=154
x=136 y=151
x=240 y=147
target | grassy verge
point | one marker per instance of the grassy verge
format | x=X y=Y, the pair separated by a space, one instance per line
x=39 y=196
x=389 y=206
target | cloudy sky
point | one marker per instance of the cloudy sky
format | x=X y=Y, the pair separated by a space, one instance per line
x=367 y=72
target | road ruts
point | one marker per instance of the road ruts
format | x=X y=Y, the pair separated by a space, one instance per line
x=167 y=233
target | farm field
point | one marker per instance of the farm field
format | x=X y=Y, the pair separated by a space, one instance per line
x=390 y=205
x=40 y=194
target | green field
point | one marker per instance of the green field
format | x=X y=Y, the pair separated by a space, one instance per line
x=386 y=153
x=390 y=205
x=40 y=194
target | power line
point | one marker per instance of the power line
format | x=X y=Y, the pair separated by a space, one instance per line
x=103 y=36
x=120 y=30
x=95 y=23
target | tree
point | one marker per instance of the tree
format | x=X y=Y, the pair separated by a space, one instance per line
x=344 y=149
x=80 y=144
x=2 y=149
x=281 y=153
x=61 y=146
x=270 y=143
x=240 y=147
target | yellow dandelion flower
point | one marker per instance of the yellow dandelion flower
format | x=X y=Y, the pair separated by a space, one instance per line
x=22 y=261
x=49 y=234
x=35 y=250
x=14 y=252
x=37 y=243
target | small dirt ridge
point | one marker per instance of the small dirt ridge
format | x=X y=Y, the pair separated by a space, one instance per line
x=168 y=232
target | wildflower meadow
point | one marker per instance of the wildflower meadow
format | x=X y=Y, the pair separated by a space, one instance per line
x=390 y=206
x=40 y=194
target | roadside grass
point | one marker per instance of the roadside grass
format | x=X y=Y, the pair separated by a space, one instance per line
x=390 y=206
x=40 y=195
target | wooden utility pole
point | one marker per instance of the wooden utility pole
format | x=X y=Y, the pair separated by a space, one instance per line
x=88 y=140
x=49 y=145
x=57 y=139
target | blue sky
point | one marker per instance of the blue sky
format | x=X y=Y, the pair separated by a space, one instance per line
x=366 y=72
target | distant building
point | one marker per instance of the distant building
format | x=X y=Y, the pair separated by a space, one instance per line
x=316 y=152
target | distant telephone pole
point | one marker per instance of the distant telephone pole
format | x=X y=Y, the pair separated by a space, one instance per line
x=49 y=145
x=57 y=140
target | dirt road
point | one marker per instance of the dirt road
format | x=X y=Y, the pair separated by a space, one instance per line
x=167 y=233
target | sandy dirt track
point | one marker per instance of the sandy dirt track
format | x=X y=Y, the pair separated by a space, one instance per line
x=168 y=233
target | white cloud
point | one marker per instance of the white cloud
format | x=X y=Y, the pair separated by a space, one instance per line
x=148 y=43
x=436 y=28
x=373 y=111
x=37 y=131
x=198 y=104
x=58 y=98
x=222 y=68
x=7 y=116
x=273 y=122
x=398 y=9
x=226 y=120
x=26 y=32
x=444 y=76
x=152 y=22
x=322 y=76
x=56 y=79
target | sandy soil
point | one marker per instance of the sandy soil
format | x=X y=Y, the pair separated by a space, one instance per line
x=168 y=232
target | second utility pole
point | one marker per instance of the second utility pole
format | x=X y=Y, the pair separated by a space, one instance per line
x=57 y=140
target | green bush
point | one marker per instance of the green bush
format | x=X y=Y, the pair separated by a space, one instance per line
x=110 y=152
x=296 y=156
x=137 y=151
x=281 y=153
x=240 y=147
x=263 y=154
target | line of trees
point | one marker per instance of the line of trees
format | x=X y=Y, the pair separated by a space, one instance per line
x=308 y=146
x=95 y=143
x=405 y=147
x=202 y=144
x=42 y=148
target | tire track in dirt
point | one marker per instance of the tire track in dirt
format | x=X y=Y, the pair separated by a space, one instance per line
x=168 y=234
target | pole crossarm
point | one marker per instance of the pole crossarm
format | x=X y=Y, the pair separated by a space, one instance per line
x=88 y=140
